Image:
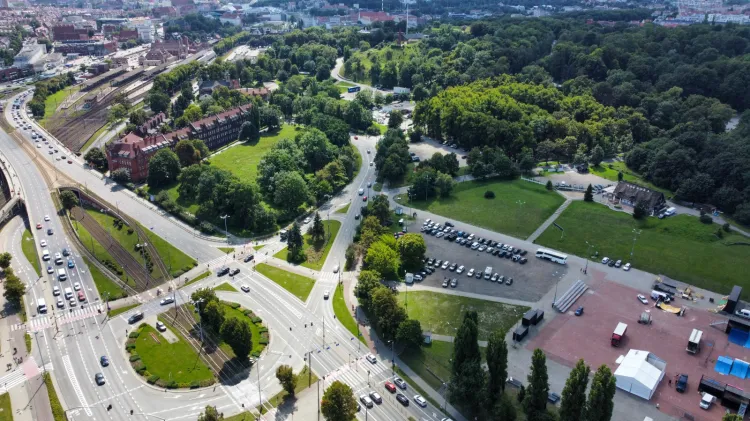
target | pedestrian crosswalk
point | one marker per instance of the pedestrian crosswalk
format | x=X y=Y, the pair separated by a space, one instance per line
x=27 y=370
x=59 y=318
x=355 y=374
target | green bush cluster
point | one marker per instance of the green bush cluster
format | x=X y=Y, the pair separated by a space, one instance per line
x=134 y=334
x=134 y=358
x=152 y=379
x=112 y=266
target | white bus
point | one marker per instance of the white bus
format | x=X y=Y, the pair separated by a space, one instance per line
x=552 y=256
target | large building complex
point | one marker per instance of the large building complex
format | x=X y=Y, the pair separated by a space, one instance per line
x=133 y=151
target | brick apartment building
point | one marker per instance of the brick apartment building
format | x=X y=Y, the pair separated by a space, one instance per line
x=176 y=47
x=133 y=151
x=69 y=33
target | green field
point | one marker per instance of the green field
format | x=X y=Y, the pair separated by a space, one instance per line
x=226 y=287
x=344 y=314
x=118 y=311
x=226 y=250
x=316 y=252
x=128 y=241
x=298 y=285
x=443 y=313
x=28 y=245
x=501 y=214
x=103 y=284
x=203 y=275
x=680 y=247
x=177 y=361
x=610 y=170
x=55 y=100
x=176 y=261
x=345 y=209
x=383 y=128
x=6 y=412
x=344 y=86
x=230 y=312
x=242 y=159
x=432 y=362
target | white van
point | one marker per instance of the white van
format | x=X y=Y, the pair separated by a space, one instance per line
x=656 y=295
x=68 y=293
x=45 y=254
x=41 y=306
x=744 y=313
x=670 y=212
x=61 y=275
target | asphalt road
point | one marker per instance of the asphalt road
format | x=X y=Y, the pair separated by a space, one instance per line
x=75 y=344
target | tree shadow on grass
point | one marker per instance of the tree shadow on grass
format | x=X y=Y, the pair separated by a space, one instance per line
x=287 y=407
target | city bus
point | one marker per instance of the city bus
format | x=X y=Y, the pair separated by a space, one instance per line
x=552 y=256
x=353 y=89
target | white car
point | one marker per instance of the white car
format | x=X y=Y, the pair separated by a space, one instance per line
x=626 y=267
x=60 y=303
x=420 y=401
x=43 y=243
x=470 y=273
x=642 y=299
x=361 y=192
x=56 y=290
x=245 y=288
x=371 y=358
x=307 y=220
x=460 y=269
x=445 y=265
x=77 y=286
x=605 y=260
x=326 y=295
x=165 y=301
x=46 y=217
x=39 y=146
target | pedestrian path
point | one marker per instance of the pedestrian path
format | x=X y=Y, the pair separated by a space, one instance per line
x=355 y=374
x=549 y=221
x=328 y=278
x=59 y=319
x=28 y=370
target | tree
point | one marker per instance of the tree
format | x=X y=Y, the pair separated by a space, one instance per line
x=163 y=168
x=210 y=414
x=294 y=243
x=549 y=186
x=395 y=119
x=381 y=209
x=249 y=132
x=640 y=210
x=69 y=199
x=287 y=378
x=444 y=184
x=5 y=259
x=386 y=313
x=14 y=289
x=535 y=401
x=503 y=409
x=731 y=417
x=600 y=403
x=212 y=314
x=382 y=259
x=497 y=364
x=619 y=176
x=236 y=333
x=588 y=195
x=411 y=248
x=409 y=333
x=97 y=158
x=318 y=230
x=597 y=156
x=544 y=150
x=338 y=403
x=120 y=175
x=574 y=393
x=158 y=101
x=467 y=376
x=351 y=257
x=138 y=117
x=290 y=190
x=187 y=153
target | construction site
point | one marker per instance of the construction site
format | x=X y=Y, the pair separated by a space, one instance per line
x=651 y=342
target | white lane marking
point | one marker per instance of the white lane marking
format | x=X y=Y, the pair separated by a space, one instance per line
x=74 y=382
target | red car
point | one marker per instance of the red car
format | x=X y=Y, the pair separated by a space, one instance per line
x=38 y=226
x=364 y=198
x=70 y=162
x=390 y=387
x=356 y=138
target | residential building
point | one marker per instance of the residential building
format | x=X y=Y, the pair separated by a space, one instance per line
x=176 y=47
x=630 y=194
x=261 y=92
x=69 y=32
x=87 y=48
x=156 y=57
x=207 y=87
x=133 y=151
x=144 y=28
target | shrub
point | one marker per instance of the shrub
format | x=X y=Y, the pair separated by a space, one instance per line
x=249 y=313
x=207 y=382
x=206 y=227
x=195 y=384
x=373 y=130
x=257 y=320
x=720 y=233
x=153 y=379
x=549 y=186
x=263 y=341
x=172 y=385
x=234 y=305
x=135 y=357
x=726 y=227
x=263 y=329
x=130 y=346
x=255 y=354
x=161 y=383
x=489 y=194
x=706 y=219
x=183 y=385
x=134 y=334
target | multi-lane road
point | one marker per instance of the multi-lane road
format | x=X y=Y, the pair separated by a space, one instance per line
x=73 y=342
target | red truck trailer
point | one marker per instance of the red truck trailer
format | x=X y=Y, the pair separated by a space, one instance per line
x=618 y=334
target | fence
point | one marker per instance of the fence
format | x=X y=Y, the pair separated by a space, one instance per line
x=558 y=186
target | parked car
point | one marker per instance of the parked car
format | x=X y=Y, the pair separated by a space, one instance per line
x=470 y=273
x=422 y=402
x=403 y=400
x=553 y=397
x=682 y=383
x=400 y=383
x=626 y=267
x=579 y=311
x=509 y=281
x=642 y=299
x=460 y=269
x=454 y=282
x=605 y=260
x=618 y=263
x=445 y=283
x=611 y=263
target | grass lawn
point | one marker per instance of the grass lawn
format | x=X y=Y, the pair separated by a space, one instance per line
x=343 y=86
x=242 y=160
x=680 y=246
x=55 y=100
x=298 y=285
x=226 y=250
x=188 y=203
x=383 y=128
x=443 y=313
x=95 y=136
x=259 y=247
x=28 y=245
x=316 y=252
x=203 y=275
x=128 y=241
x=177 y=361
x=58 y=413
x=609 y=171
x=176 y=261
x=118 y=311
x=27 y=342
x=345 y=209
x=103 y=284
x=344 y=314
x=225 y=287
x=230 y=312
x=6 y=412
x=395 y=227
x=432 y=362
x=501 y=214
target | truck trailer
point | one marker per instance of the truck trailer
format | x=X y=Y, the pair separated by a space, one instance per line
x=618 y=334
x=694 y=343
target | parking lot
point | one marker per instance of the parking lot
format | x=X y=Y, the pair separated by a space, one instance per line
x=427 y=147
x=530 y=281
x=567 y=338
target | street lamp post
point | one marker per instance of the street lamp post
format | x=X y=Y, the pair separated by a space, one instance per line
x=393 y=357
x=226 y=231
x=556 y=282
x=588 y=256
x=636 y=233
x=41 y=354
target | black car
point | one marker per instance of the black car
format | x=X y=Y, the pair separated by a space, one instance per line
x=452 y=267
x=493 y=243
x=478 y=275
x=502 y=253
x=508 y=255
x=514 y=382
x=249 y=258
x=523 y=260
x=403 y=400
x=134 y=318
x=495 y=252
x=449 y=224
x=223 y=271
x=516 y=251
x=50 y=232
x=553 y=397
x=234 y=272
x=682 y=382
x=611 y=263
x=523 y=252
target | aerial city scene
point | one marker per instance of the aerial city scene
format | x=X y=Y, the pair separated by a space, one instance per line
x=386 y=210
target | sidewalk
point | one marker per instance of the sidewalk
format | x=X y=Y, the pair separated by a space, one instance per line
x=549 y=220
